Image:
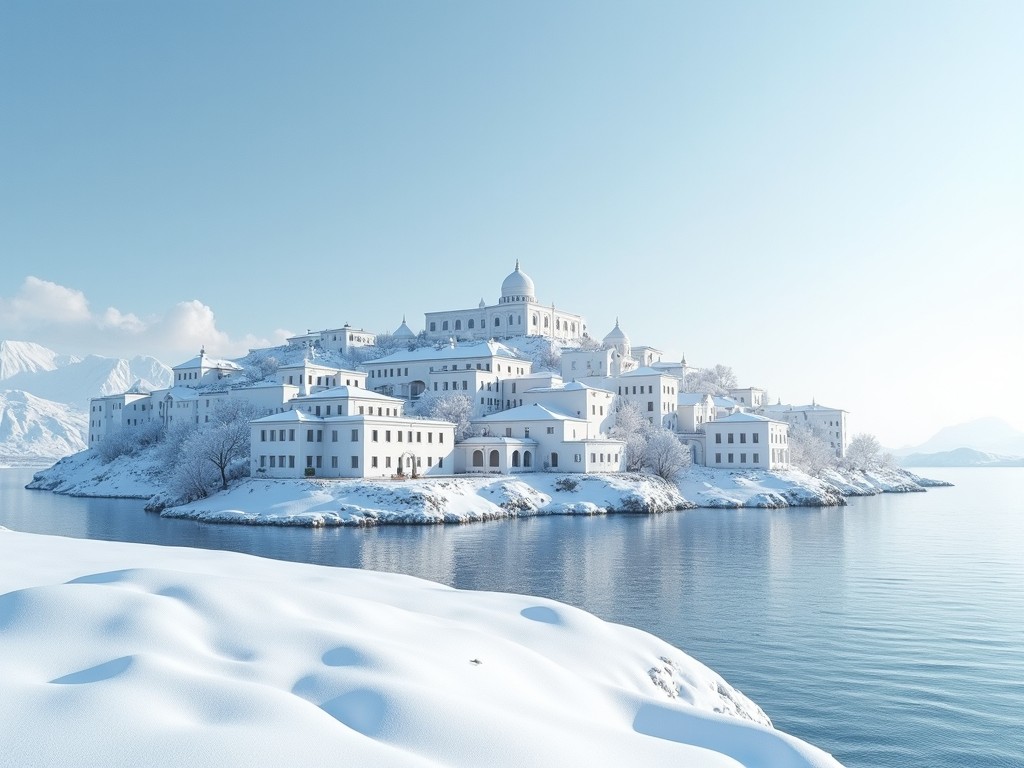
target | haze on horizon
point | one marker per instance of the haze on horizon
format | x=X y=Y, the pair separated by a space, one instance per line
x=826 y=198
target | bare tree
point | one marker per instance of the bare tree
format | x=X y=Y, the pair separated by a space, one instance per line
x=224 y=441
x=865 y=452
x=633 y=428
x=808 y=452
x=665 y=456
x=717 y=380
x=455 y=407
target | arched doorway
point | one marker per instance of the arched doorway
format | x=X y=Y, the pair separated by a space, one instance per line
x=494 y=460
x=515 y=458
x=478 y=458
x=527 y=459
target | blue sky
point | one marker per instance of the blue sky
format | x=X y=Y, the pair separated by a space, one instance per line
x=827 y=197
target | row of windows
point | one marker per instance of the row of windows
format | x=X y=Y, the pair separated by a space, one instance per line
x=363 y=411
x=755 y=437
x=317 y=462
x=317 y=436
x=560 y=325
x=743 y=458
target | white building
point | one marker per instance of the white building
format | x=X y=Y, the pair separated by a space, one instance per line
x=652 y=391
x=203 y=370
x=342 y=340
x=476 y=369
x=349 y=432
x=517 y=313
x=749 y=398
x=746 y=441
x=532 y=438
x=310 y=377
x=827 y=423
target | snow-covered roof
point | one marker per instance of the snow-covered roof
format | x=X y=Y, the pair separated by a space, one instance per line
x=343 y=391
x=287 y=416
x=404 y=331
x=743 y=416
x=724 y=402
x=180 y=393
x=645 y=371
x=448 y=352
x=690 y=398
x=780 y=407
x=518 y=283
x=534 y=412
x=495 y=439
x=202 y=360
x=569 y=386
x=616 y=335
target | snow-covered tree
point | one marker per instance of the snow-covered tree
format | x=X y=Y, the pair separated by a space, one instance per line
x=633 y=428
x=808 y=452
x=455 y=407
x=865 y=452
x=125 y=442
x=664 y=455
x=717 y=380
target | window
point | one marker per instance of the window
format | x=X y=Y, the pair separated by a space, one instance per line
x=334 y=462
x=373 y=462
x=309 y=435
x=319 y=435
x=444 y=325
x=355 y=462
x=593 y=457
x=730 y=458
x=334 y=435
x=730 y=437
x=273 y=461
x=743 y=458
x=650 y=405
x=374 y=436
x=508 y=431
x=433 y=327
x=757 y=458
x=263 y=434
x=756 y=439
x=718 y=437
x=743 y=437
x=387 y=462
x=387 y=435
x=355 y=436
x=551 y=430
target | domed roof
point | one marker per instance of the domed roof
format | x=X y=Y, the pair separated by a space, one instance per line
x=517 y=284
x=404 y=331
x=616 y=335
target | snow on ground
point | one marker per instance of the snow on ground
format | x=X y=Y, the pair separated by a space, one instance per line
x=465 y=499
x=121 y=654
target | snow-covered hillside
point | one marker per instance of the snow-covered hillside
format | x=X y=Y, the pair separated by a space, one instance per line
x=26 y=357
x=92 y=376
x=43 y=412
x=128 y=654
x=34 y=430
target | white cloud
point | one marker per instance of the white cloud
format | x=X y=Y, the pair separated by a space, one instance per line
x=60 y=317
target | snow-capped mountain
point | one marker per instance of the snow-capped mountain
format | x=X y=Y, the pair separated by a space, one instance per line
x=92 y=376
x=27 y=357
x=44 y=405
x=34 y=430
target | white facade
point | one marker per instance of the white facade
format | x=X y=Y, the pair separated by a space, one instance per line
x=342 y=340
x=203 y=370
x=517 y=313
x=693 y=411
x=746 y=441
x=827 y=423
x=535 y=438
x=475 y=368
x=749 y=398
x=654 y=393
x=596 y=406
x=310 y=377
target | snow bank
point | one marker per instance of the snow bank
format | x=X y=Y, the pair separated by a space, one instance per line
x=852 y=482
x=321 y=502
x=139 y=476
x=127 y=654
x=756 y=488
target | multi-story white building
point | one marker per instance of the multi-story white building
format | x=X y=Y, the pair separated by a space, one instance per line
x=476 y=369
x=748 y=398
x=827 y=423
x=532 y=438
x=342 y=340
x=746 y=441
x=310 y=377
x=517 y=313
x=349 y=432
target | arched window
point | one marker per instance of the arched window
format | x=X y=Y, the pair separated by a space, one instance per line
x=558 y=324
x=444 y=325
x=545 y=322
x=497 y=321
x=478 y=458
x=527 y=459
x=515 y=458
x=511 y=321
x=493 y=459
x=458 y=325
x=471 y=323
x=533 y=319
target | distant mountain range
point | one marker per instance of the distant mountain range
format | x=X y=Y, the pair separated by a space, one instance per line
x=44 y=397
x=987 y=442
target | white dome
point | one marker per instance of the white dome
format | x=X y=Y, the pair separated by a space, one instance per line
x=517 y=284
x=404 y=331
x=616 y=336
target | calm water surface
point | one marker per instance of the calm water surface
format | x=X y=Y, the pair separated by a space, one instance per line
x=889 y=632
